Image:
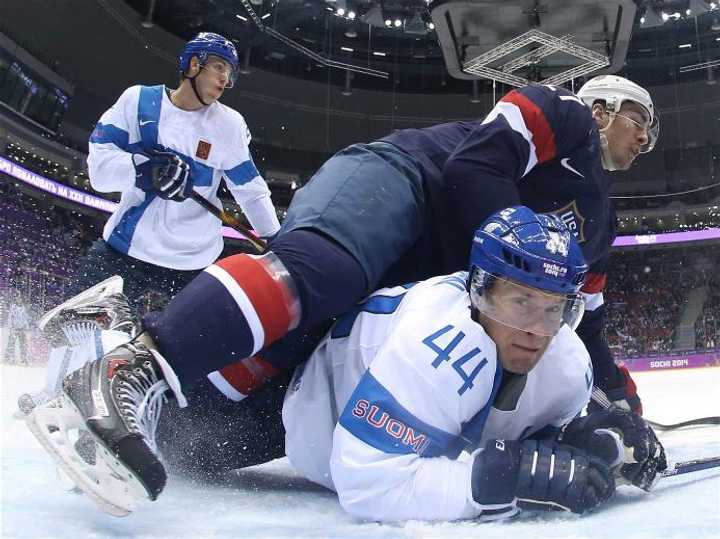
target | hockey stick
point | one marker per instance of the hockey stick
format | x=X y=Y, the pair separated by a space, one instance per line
x=230 y=221
x=713 y=420
x=599 y=396
x=691 y=466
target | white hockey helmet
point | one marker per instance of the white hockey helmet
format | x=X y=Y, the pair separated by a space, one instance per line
x=614 y=90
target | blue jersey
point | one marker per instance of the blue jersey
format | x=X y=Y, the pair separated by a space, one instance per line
x=540 y=147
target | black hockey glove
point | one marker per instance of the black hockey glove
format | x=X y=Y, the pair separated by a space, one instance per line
x=163 y=172
x=637 y=457
x=643 y=474
x=542 y=475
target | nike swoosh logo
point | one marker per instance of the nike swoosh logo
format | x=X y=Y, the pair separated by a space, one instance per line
x=564 y=162
x=147 y=122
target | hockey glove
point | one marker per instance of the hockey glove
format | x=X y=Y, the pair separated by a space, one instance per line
x=643 y=474
x=541 y=475
x=623 y=440
x=164 y=173
x=623 y=394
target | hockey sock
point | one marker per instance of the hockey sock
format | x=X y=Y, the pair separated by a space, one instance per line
x=227 y=313
x=238 y=380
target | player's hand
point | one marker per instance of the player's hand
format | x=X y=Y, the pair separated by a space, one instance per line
x=540 y=474
x=643 y=474
x=623 y=440
x=163 y=172
x=623 y=394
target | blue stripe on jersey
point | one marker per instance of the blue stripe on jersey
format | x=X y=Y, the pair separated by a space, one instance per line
x=149 y=104
x=374 y=305
x=242 y=173
x=110 y=134
x=201 y=174
x=472 y=430
x=456 y=281
x=121 y=236
x=374 y=416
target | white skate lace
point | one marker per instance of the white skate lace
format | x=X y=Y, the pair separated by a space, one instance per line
x=79 y=331
x=140 y=396
x=80 y=326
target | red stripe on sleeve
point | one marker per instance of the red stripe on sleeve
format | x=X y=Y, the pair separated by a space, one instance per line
x=248 y=374
x=594 y=283
x=542 y=134
x=268 y=296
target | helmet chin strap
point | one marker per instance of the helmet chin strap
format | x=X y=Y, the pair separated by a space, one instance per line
x=194 y=87
x=607 y=161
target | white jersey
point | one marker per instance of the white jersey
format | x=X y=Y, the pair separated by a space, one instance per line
x=403 y=387
x=213 y=140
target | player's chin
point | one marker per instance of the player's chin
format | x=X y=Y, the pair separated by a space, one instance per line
x=521 y=360
x=626 y=162
x=213 y=94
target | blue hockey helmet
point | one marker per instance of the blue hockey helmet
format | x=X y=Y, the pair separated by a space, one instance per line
x=207 y=44
x=535 y=253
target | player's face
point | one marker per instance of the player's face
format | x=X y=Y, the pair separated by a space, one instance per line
x=213 y=78
x=519 y=350
x=627 y=133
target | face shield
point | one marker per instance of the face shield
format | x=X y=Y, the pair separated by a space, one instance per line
x=653 y=133
x=650 y=127
x=524 y=308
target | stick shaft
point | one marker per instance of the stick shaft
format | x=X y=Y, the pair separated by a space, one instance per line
x=599 y=396
x=230 y=221
x=691 y=466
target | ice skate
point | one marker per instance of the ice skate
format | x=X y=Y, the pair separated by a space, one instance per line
x=102 y=306
x=117 y=400
x=27 y=402
x=71 y=324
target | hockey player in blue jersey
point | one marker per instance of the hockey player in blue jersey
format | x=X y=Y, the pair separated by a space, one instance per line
x=456 y=397
x=154 y=146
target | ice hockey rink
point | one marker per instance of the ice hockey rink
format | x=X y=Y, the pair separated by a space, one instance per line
x=272 y=501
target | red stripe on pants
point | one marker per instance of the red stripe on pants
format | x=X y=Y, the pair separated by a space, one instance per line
x=268 y=296
x=248 y=374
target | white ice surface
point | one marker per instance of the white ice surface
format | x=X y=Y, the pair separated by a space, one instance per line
x=272 y=501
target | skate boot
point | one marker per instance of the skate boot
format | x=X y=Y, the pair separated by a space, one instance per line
x=102 y=306
x=117 y=400
x=72 y=324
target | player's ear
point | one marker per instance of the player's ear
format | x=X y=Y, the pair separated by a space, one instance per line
x=598 y=114
x=194 y=67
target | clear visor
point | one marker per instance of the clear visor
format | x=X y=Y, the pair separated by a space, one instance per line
x=527 y=309
x=653 y=133
x=650 y=127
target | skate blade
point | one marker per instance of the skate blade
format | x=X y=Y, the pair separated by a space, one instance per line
x=112 y=487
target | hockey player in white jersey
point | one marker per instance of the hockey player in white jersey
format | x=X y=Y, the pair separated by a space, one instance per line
x=155 y=146
x=423 y=402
